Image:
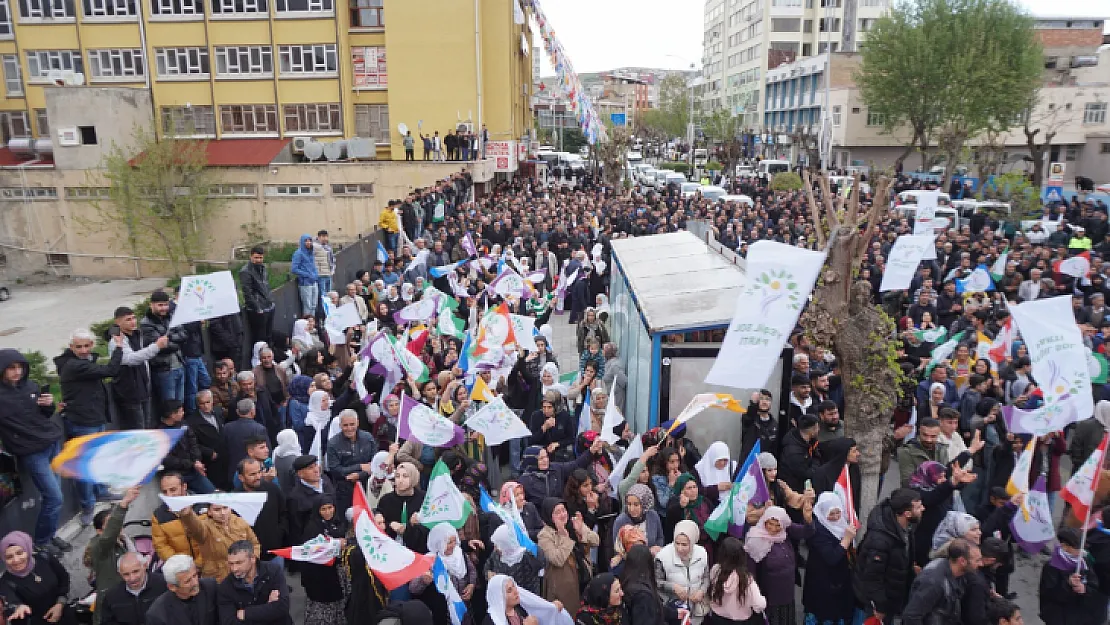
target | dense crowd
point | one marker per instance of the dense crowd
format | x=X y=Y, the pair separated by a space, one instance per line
x=292 y=421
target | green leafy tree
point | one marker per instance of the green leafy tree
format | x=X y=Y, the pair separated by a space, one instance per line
x=786 y=181
x=670 y=119
x=724 y=129
x=574 y=140
x=159 y=198
x=1015 y=189
x=612 y=153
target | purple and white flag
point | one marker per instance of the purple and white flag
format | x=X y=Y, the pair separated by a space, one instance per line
x=468 y=245
x=1036 y=531
x=427 y=426
x=509 y=283
x=417 y=311
x=1043 y=420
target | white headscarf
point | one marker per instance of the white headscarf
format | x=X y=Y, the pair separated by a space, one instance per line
x=826 y=503
x=543 y=610
x=437 y=543
x=710 y=475
x=287 y=444
x=318 y=418
x=547 y=332
x=408 y=291
x=300 y=333
x=505 y=541
x=603 y=307
x=256 y=359
x=553 y=369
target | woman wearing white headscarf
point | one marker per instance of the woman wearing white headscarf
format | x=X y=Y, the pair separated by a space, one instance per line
x=443 y=541
x=512 y=605
x=509 y=558
x=715 y=468
x=302 y=338
x=549 y=379
x=287 y=450
x=318 y=418
x=827 y=595
x=381 y=478
x=256 y=353
x=771 y=559
x=682 y=570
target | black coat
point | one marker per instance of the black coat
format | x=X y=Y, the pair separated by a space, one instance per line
x=934 y=596
x=270 y=526
x=84 y=390
x=236 y=435
x=212 y=443
x=132 y=383
x=25 y=427
x=1060 y=605
x=184 y=455
x=39 y=590
x=884 y=568
x=232 y=595
x=937 y=502
x=169 y=610
x=265 y=411
x=300 y=504
x=796 y=465
x=254 y=280
x=152 y=327
x=226 y=336
x=119 y=607
x=827 y=593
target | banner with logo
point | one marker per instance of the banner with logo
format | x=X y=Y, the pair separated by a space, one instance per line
x=205 y=297
x=923 y=218
x=1058 y=354
x=905 y=257
x=781 y=279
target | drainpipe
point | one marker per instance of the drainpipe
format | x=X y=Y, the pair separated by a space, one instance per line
x=478 y=69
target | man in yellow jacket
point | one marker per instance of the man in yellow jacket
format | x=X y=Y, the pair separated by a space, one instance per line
x=213 y=534
x=388 y=221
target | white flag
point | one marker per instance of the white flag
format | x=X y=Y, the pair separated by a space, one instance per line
x=780 y=278
x=205 y=297
x=498 y=423
x=904 y=259
x=613 y=418
x=341 y=318
x=923 y=222
x=246 y=505
x=524 y=331
x=1056 y=349
x=632 y=454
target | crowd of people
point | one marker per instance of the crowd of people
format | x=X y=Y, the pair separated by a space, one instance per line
x=287 y=417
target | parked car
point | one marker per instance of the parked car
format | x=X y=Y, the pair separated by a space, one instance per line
x=712 y=193
x=5 y=293
x=688 y=189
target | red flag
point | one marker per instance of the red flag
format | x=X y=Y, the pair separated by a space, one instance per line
x=1078 y=266
x=417 y=338
x=844 y=489
x=1080 y=489
x=319 y=550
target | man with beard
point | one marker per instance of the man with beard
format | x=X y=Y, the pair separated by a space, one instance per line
x=255 y=593
x=224 y=387
x=884 y=567
x=924 y=447
x=269 y=527
x=831 y=426
x=758 y=424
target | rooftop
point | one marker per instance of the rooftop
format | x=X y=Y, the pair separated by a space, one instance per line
x=243 y=152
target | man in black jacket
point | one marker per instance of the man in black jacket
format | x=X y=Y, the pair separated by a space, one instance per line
x=127 y=602
x=937 y=592
x=265 y=411
x=167 y=369
x=190 y=600
x=226 y=337
x=311 y=483
x=255 y=593
x=29 y=434
x=185 y=458
x=884 y=566
x=131 y=387
x=85 y=396
x=207 y=423
x=270 y=525
x=797 y=464
x=254 y=280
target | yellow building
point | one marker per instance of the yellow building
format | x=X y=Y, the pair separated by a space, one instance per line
x=226 y=69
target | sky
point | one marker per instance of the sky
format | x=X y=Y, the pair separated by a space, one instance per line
x=604 y=34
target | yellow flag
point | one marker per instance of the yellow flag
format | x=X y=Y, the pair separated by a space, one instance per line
x=481 y=391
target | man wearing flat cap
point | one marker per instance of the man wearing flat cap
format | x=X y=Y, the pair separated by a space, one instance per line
x=310 y=484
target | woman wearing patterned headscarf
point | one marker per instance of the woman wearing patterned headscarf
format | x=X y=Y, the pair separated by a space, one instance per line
x=639 y=512
x=688 y=504
x=936 y=488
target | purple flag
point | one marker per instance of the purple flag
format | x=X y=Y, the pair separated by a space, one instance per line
x=1032 y=525
x=468 y=245
x=427 y=426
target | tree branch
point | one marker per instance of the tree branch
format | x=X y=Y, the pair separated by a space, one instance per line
x=814 y=211
x=878 y=207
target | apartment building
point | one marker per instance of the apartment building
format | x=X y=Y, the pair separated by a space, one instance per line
x=743 y=39
x=227 y=69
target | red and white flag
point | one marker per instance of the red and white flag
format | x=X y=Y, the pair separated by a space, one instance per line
x=1080 y=489
x=320 y=550
x=392 y=563
x=844 y=489
x=1002 y=344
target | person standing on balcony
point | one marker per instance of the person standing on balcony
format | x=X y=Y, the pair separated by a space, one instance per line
x=325 y=262
x=254 y=279
x=304 y=267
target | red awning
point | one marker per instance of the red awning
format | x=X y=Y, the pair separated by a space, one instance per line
x=239 y=152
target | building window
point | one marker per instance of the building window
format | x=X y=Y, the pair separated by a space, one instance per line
x=293 y=190
x=309 y=60
x=41 y=62
x=116 y=65
x=372 y=121
x=192 y=121
x=1071 y=153
x=13 y=75
x=349 y=189
x=1094 y=113
x=88 y=134
x=47 y=9
x=42 y=123
x=831 y=24
x=233 y=190
x=14 y=125
x=369 y=68
x=1104 y=148
x=313 y=118
x=785 y=24
x=367 y=14
x=875 y=119
x=824 y=45
x=109 y=8
x=238 y=7
x=305 y=6
x=866 y=24
x=807 y=26
x=88 y=193
x=1050 y=62
x=836 y=115
x=28 y=193
x=5 y=19
x=234 y=61
x=249 y=119
x=177 y=8
x=179 y=63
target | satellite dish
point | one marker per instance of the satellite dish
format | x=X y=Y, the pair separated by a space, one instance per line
x=361 y=147
x=313 y=150
x=333 y=151
x=403 y=129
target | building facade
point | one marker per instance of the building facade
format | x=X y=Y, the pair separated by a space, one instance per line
x=224 y=69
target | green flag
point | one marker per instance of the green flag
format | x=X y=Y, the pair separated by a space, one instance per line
x=1097 y=366
x=943 y=351
x=933 y=335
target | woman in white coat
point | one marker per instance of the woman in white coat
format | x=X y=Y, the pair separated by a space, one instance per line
x=682 y=571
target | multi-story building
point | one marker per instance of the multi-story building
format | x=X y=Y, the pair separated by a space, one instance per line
x=223 y=69
x=743 y=39
x=1072 y=104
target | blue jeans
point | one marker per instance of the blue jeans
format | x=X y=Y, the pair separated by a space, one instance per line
x=310 y=295
x=37 y=466
x=514 y=455
x=86 y=491
x=392 y=237
x=324 y=284
x=196 y=379
x=198 y=483
x=169 y=385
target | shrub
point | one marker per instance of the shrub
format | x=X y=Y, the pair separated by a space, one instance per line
x=40 y=373
x=714 y=166
x=680 y=167
x=786 y=181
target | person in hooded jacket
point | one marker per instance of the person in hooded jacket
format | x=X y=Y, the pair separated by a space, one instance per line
x=1068 y=597
x=304 y=268
x=542 y=478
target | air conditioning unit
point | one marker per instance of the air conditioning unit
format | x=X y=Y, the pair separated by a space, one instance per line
x=68 y=136
x=299 y=144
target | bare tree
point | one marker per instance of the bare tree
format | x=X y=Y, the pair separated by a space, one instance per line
x=842 y=319
x=612 y=153
x=1046 y=116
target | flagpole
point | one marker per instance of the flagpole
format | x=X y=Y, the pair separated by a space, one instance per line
x=1087 y=521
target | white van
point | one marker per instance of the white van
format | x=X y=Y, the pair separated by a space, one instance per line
x=739 y=199
x=674 y=178
x=688 y=189
x=712 y=193
x=943 y=218
x=769 y=168
x=647 y=177
x=910 y=197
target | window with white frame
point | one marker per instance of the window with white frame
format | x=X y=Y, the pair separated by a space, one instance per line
x=238 y=7
x=13 y=75
x=233 y=190
x=1094 y=113
x=28 y=193
x=308 y=60
x=244 y=61
x=42 y=123
x=15 y=125
x=191 y=9
x=47 y=9
x=866 y=24
x=367 y=14
x=87 y=193
x=826 y=25
x=5 y=19
x=875 y=119
x=1071 y=153
x=372 y=121
x=182 y=63
x=369 y=68
x=188 y=121
x=109 y=8
x=353 y=189
x=249 y=119
x=293 y=190
x=116 y=64
x=41 y=62
x=836 y=115
x=305 y=6
x=323 y=117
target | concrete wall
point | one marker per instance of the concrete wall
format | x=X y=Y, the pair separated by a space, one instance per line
x=115 y=113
